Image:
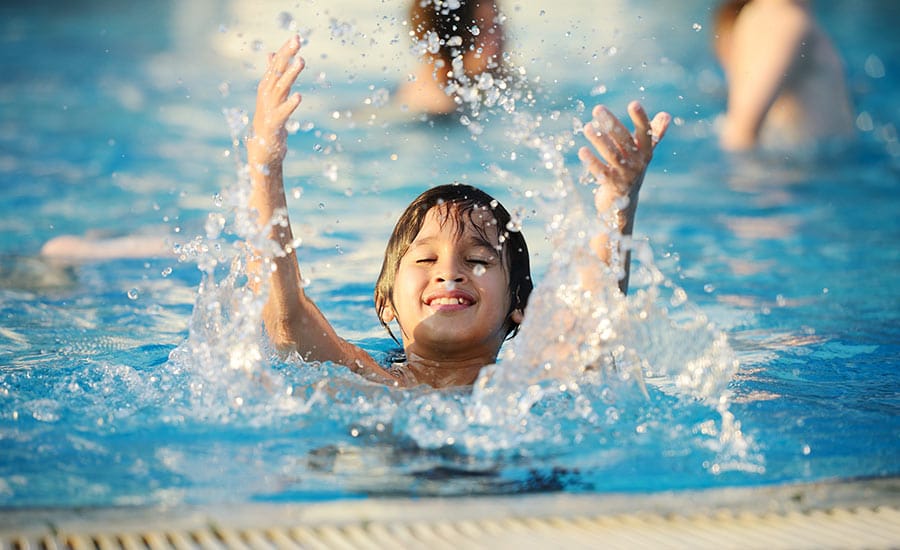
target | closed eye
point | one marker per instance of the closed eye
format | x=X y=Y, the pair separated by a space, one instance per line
x=479 y=261
x=425 y=261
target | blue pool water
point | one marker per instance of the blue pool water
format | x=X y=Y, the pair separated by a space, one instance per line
x=764 y=313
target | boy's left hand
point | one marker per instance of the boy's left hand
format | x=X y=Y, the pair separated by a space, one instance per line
x=625 y=155
x=275 y=104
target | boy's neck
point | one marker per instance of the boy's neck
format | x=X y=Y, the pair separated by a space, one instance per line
x=445 y=373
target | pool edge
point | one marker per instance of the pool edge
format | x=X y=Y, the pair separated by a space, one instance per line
x=846 y=513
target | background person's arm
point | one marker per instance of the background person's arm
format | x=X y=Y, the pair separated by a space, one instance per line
x=766 y=42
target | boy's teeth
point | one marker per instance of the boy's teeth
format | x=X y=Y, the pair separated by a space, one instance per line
x=448 y=301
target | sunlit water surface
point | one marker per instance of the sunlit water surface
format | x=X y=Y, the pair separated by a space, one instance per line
x=758 y=344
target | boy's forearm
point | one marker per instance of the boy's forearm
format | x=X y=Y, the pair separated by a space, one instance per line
x=293 y=321
x=600 y=243
x=266 y=197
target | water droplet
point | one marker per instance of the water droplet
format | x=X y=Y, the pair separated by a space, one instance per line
x=292 y=126
x=864 y=122
x=478 y=270
x=379 y=98
x=237 y=119
x=214 y=224
x=517 y=216
x=340 y=29
x=874 y=66
x=133 y=294
x=286 y=21
x=166 y=272
x=297 y=192
x=679 y=296
x=697 y=27
x=330 y=171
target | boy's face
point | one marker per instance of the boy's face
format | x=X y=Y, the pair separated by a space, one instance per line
x=451 y=292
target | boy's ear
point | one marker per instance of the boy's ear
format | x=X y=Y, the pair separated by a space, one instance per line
x=387 y=314
x=517 y=316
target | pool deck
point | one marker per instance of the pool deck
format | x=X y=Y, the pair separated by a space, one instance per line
x=843 y=514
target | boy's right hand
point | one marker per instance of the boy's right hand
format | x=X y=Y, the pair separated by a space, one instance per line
x=620 y=158
x=274 y=104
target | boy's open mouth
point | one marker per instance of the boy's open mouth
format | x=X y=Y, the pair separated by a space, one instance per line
x=453 y=300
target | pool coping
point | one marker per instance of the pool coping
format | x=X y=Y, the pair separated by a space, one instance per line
x=840 y=513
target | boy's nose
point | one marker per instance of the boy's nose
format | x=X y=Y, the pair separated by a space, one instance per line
x=455 y=276
x=449 y=271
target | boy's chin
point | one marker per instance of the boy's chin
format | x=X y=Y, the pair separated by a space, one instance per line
x=452 y=340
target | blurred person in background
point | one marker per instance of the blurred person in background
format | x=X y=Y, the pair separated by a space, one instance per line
x=785 y=78
x=459 y=40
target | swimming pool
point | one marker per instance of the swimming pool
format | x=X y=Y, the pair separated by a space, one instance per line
x=120 y=384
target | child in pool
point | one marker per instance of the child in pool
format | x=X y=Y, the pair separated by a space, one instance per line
x=453 y=278
x=785 y=78
x=478 y=29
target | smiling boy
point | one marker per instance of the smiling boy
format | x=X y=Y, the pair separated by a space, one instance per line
x=454 y=279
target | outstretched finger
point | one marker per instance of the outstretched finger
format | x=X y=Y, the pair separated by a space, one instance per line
x=286 y=80
x=604 y=144
x=658 y=126
x=283 y=111
x=610 y=125
x=595 y=166
x=642 y=129
x=278 y=63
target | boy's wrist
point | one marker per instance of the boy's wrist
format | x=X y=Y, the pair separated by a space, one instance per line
x=610 y=202
x=260 y=153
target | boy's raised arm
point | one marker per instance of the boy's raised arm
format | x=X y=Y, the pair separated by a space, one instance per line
x=292 y=320
x=619 y=170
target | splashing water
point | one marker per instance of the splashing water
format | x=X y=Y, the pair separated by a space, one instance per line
x=591 y=370
x=587 y=357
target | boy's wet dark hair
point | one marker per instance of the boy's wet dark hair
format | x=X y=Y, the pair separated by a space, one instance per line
x=463 y=203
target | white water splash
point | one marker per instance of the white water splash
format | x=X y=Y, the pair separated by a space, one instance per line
x=588 y=360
